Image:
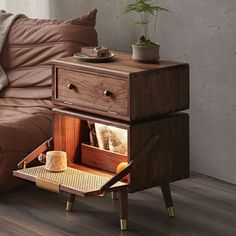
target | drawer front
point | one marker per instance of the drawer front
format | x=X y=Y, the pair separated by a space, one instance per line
x=92 y=91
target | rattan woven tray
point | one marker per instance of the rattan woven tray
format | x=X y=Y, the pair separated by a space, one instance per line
x=72 y=180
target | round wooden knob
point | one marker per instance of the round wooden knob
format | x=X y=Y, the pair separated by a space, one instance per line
x=71 y=86
x=107 y=93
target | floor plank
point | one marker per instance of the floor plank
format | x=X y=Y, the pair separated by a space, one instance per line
x=204 y=206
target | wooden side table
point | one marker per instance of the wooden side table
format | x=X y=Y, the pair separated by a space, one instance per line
x=143 y=99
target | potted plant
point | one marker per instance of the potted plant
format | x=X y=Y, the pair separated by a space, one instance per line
x=145 y=50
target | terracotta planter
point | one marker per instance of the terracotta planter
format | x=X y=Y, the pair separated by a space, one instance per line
x=146 y=54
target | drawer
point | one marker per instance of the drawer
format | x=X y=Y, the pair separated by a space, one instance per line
x=88 y=91
x=127 y=92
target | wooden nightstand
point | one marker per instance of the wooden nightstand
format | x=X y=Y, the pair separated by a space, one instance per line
x=122 y=89
x=143 y=99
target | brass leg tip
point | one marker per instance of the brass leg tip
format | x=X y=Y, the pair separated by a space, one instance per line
x=171 y=212
x=69 y=206
x=123 y=224
x=114 y=196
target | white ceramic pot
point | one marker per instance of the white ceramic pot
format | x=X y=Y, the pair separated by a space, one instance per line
x=146 y=54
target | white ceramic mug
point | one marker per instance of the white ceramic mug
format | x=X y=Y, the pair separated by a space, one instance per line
x=56 y=161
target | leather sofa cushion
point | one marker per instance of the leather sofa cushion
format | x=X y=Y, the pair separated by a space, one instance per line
x=32 y=44
x=25 y=115
x=22 y=130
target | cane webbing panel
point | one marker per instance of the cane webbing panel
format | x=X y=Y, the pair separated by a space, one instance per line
x=71 y=178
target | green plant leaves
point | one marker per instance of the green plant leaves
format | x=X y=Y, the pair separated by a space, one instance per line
x=147 y=6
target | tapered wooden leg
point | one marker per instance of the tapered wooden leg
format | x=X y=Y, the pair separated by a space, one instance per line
x=114 y=195
x=165 y=188
x=123 y=197
x=70 y=202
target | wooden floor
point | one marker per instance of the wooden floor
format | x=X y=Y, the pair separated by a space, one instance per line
x=204 y=206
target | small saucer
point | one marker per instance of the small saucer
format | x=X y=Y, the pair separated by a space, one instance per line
x=83 y=57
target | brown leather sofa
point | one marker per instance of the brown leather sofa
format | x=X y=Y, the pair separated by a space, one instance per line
x=25 y=105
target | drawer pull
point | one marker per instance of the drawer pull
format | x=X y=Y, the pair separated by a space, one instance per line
x=107 y=93
x=71 y=86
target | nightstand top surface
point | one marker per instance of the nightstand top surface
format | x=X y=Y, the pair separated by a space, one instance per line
x=121 y=64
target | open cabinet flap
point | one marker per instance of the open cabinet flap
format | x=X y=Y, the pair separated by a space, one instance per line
x=33 y=155
x=143 y=153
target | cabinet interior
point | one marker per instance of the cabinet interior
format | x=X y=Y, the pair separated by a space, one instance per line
x=76 y=137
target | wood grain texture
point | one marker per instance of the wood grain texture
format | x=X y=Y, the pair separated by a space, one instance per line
x=166 y=193
x=204 y=207
x=123 y=199
x=88 y=91
x=101 y=159
x=122 y=65
x=46 y=146
x=159 y=92
x=138 y=90
x=169 y=160
x=69 y=133
x=91 y=117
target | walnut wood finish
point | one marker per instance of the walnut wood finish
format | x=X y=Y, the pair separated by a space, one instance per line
x=71 y=198
x=121 y=89
x=123 y=200
x=166 y=162
x=122 y=65
x=129 y=95
x=169 y=161
x=69 y=133
x=144 y=151
x=159 y=92
x=70 y=201
x=91 y=117
x=165 y=189
x=87 y=90
x=101 y=159
x=91 y=170
x=166 y=193
x=47 y=145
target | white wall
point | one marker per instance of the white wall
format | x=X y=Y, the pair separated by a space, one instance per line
x=115 y=29
x=201 y=32
x=33 y=8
